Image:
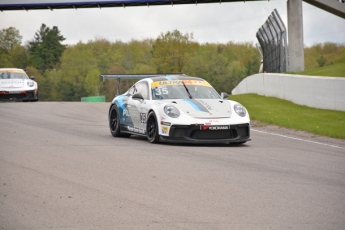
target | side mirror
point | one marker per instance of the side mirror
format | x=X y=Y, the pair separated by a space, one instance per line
x=224 y=95
x=137 y=96
x=32 y=78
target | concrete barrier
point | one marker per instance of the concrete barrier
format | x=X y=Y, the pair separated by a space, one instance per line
x=312 y=91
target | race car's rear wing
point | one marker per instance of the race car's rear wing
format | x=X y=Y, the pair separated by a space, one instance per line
x=118 y=77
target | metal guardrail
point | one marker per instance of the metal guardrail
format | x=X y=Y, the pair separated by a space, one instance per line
x=118 y=77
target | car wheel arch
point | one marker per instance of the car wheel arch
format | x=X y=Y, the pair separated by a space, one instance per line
x=155 y=139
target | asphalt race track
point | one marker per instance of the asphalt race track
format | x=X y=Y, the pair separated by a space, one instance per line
x=61 y=169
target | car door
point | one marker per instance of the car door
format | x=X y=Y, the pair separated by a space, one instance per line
x=140 y=107
x=126 y=113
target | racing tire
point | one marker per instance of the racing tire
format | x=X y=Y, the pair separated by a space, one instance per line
x=114 y=123
x=34 y=100
x=152 y=128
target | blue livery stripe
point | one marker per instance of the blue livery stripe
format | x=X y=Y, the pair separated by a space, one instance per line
x=196 y=105
x=120 y=101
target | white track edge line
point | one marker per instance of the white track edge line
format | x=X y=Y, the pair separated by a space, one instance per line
x=295 y=138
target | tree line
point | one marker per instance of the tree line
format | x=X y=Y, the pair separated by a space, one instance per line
x=67 y=73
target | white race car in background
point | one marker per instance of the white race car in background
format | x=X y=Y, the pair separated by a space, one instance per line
x=16 y=85
x=177 y=108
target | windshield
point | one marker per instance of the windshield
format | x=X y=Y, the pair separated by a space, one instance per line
x=13 y=74
x=178 y=89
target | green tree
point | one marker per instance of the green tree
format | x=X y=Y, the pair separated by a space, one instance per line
x=137 y=53
x=321 y=61
x=322 y=54
x=5 y=59
x=170 y=51
x=92 y=83
x=46 y=48
x=67 y=91
x=101 y=51
x=10 y=48
x=76 y=62
x=9 y=38
x=19 y=57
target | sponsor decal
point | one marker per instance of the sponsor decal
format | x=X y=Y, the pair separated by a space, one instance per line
x=12 y=70
x=130 y=113
x=136 y=130
x=215 y=127
x=176 y=82
x=170 y=82
x=12 y=82
x=143 y=118
x=165 y=130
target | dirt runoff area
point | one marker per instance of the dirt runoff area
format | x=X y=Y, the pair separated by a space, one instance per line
x=272 y=129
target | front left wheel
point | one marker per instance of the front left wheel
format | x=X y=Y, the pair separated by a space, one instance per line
x=152 y=128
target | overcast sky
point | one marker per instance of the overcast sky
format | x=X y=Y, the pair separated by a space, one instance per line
x=213 y=23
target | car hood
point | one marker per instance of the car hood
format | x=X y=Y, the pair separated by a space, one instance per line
x=204 y=108
x=12 y=83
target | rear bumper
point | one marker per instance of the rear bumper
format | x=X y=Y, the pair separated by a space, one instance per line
x=19 y=96
x=192 y=134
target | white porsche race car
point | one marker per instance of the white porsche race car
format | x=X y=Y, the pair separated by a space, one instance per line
x=177 y=108
x=16 y=85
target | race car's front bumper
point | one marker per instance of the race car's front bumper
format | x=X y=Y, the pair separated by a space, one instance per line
x=24 y=95
x=193 y=134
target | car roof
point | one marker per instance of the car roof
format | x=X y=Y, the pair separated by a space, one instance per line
x=10 y=69
x=175 y=77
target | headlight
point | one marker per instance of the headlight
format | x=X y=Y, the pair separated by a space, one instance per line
x=171 y=111
x=240 y=110
x=31 y=83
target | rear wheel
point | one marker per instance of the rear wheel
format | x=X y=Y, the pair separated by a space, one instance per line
x=114 y=123
x=152 y=128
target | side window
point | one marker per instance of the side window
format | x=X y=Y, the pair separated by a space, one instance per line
x=143 y=89
x=132 y=90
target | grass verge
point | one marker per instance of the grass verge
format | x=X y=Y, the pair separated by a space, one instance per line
x=335 y=70
x=284 y=113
